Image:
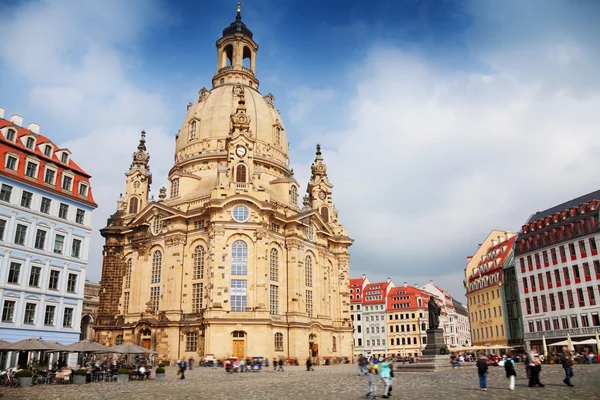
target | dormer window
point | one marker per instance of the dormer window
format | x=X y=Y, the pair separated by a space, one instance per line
x=31 y=170
x=49 y=176
x=67 y=182
x=11 y=134
x=29 y=143
x=83 y=189
x=48 y=150
x=64 y=158
x=11 y=162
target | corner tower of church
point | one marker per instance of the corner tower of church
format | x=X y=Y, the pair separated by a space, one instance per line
x=226 y=262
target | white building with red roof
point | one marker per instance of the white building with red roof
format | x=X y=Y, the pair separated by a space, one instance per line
x=46 y=209
x=357 y=287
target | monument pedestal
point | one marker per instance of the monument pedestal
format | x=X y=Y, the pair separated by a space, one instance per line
x=432 y=358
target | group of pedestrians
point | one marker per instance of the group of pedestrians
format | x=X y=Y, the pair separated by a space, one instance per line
x=385 y=371
x=533 y=369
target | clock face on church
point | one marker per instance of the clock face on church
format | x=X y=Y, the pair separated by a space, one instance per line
x=322 y=195
x=240 y=151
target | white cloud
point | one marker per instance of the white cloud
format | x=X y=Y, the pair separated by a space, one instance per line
x=74 y=56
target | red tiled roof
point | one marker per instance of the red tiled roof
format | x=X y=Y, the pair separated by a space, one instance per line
x=379 y=287
x=403 y=291
x=20 y=150
x=504 y=249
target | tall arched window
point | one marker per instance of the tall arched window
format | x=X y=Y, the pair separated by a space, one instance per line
x=240 y=173
x=278 y=136
x=199 y=262
x=133 y=205
x=274 y=263
x=192 y=130
x=175 y=187
x=128 y=274
x=157 y=225
x=308 y=271
x=279 y=341
x=156 y=266
x=239 y=258
x=334 y=344
x=294 y=195
x=325 y=214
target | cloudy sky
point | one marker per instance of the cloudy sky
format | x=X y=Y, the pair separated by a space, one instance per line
x=440 y=120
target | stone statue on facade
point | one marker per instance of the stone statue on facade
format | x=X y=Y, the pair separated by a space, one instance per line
x=434 y=313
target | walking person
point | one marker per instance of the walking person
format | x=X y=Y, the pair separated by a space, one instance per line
x=275 y=364
x=511 y=373
x=384 y=373
x=534 y=367
x=389 y=393
x=566 y=359
x=482 y=371
x=281 y=364
x=191 y=363
x=182 y=368
x=372 y=386
x=309 y=365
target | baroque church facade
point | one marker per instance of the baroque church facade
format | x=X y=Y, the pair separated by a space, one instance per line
x=226 y=262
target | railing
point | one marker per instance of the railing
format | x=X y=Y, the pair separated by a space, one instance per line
x=248 y=70
x=239 y=185
x=562 y=333
x=224 y=69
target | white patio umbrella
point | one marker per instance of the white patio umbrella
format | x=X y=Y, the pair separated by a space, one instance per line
x=86 y=346
x=130 y=348
x=597 y=343
x=570 y=343
x=33 y=344
x=544 y=346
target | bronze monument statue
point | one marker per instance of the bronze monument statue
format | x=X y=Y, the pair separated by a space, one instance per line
x=434 y=313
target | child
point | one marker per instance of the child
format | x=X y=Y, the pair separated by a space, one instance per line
x=372 y=387
x=511 y=374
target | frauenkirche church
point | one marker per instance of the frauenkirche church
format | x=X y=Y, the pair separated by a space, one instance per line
x=226 y=262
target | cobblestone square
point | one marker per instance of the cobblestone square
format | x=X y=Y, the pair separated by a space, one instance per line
x=332 y=382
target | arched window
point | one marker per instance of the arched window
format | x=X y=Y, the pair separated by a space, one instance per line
x=308 y=272
x=128 y=274
x=420 y=302
x=11 y=134
x=175 y=187
x=192 y=130
x=278 y=136
x=199 y=262
x=238 y=334
x=133 y=205
x=157 y=225
x=240 y=173
x=414 y=340
x=294 y=195
x=156 y=266
x=247 y=58
x=325 y=214
x=334 y=344
x=279 y=341
x=310 y=233
x=239 y=258
x=274 y=264
x=119 y=340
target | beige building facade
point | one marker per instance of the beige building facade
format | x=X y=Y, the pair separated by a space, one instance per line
x=226 y=262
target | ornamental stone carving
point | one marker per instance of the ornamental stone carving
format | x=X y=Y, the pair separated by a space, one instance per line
x=293 y=243
x=175 y=241
x=216 y=230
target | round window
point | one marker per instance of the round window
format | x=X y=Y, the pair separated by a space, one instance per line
x=241 y=213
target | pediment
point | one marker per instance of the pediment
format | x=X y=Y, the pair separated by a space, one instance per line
x=316 y=219
x=31 y=297
x=23 y=219
x=38 y=261
x=153 y=209
x=12 y=295
x=52 y=300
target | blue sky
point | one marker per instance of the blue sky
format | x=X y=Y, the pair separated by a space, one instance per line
x=435 y=116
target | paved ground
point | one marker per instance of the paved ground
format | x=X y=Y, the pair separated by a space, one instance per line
x=333 y=382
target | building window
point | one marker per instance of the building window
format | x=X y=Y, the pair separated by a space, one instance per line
x=294 y=195
x=68 y=317
x=2 y=228
x=14 y=272
x=8 y=311
x=197 y=293
x=309 y=303
x=26 y=198
x=240 y=213
x=10 y=135
x=278 y=341
x=31 y=169
x=310 y=233
x=334 y=344
x=49 y=315
x=63 y=211
x=20 y=234
x=128 y=274
x=72 y=283
x=125 y=303
x=29 y=143
x=67 y=182
x=48 y=150
x=133 y=206
x=157 y=225
x=83 y=189
x=45 y=206
x=192 y=130
x=325 y=214
x=76 y=248
x=34 y=276
x=155 y=298
x=175 y=187
x=40 y=239
x=11 y=163
x=591 y=296
x=238 y=295
x=274 y=265
x=29 y=317
x=5 y=193
x=79 y=216
x=274 y=299
x=156 y=266
x=59 y=241
x=198 y=262
x=308 y=271
x=239 y=258
x=278 y=136
x=49 y=177
x=64 y=158
x=191 y=341
x=240 y=173
x=53 y=281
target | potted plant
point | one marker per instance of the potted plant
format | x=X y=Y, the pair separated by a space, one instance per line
x=123 y=375
x=160 y=372
x=25 y=377
x=79 y=376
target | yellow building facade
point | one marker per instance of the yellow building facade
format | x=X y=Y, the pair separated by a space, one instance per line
x=483 y=283
x=226 y=262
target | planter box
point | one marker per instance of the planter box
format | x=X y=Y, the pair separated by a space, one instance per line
x=160 y=377
x=25 y=381
x=122 y=378
x=79 y=379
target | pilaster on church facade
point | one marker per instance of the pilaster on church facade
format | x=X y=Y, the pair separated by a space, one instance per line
x=226 y=262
